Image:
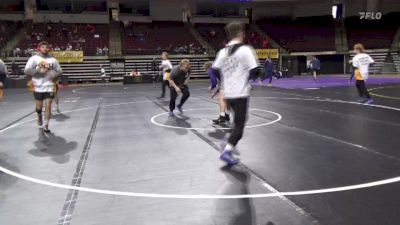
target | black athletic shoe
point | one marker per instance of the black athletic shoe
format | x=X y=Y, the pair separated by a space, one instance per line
x=220 y=120
x=46 y=129
x=227 y=118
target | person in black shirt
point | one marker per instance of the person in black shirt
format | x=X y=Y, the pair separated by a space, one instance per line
x=180 y=76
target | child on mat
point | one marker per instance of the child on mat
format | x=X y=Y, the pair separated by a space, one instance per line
x=166 y=67
x=43 y=69
x=215 y=79
x=361 y=62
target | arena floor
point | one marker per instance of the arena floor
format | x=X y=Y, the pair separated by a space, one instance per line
x=115 y=157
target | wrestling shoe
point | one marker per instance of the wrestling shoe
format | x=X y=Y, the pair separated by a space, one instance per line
x=369 y=101
x=46 y=129
x=227 y=157
x=362 y=100
x=227 y=118
x=223 y=144
x=220 y=120
x=180 y=109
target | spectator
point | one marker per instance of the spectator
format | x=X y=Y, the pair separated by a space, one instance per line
x=91 y=28
x=265 y=43
x=103 y=75
x=69 y=47
x=14 y=68
x=99 y=51
x=78 y=47
x=105 y=50
x=212 y=33
x=16 y=52
x=315 y=66
x=268 y=70
x=57 y=48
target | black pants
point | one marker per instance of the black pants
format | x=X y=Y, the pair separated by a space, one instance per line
x=164 y=85
x=362 y=89
x=174 y=95
x=352 y=74
x=239 y=106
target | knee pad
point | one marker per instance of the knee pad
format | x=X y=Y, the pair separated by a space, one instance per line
x=39 y=111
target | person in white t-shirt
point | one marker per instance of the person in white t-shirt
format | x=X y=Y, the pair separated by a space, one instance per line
x=361 y=62
x=44 y=70
x=166 y=67
x=236 y=63
x=103 y=75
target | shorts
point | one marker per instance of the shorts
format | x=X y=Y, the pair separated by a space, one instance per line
x=40 y=96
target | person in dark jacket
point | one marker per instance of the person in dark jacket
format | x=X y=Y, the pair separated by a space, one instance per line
x=268 y=70
x=315 y=66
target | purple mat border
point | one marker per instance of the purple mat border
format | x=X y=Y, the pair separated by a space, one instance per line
x=307 y=82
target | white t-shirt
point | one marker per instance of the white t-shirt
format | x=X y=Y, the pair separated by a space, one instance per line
x=43 y=83
x=102 y=72
x=361 y=62
x=165 y=65
x=235 y=69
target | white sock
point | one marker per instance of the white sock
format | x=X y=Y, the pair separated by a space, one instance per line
x=222 y=114
x=228 y=147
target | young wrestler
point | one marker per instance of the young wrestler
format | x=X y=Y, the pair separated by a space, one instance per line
x=215 y=79
x=43 y=70
x=166 y=67
x=361 y=62
x=179 y=78
x=237 y=63
x=56 y=98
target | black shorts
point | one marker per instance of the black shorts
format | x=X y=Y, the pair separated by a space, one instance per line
x=40 y=96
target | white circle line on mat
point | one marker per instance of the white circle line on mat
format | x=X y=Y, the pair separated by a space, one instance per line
x=78 y=91
x=216 y=196
x=153 y=121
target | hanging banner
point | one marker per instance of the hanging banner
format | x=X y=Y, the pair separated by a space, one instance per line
x=68 y=56
x=270 y=53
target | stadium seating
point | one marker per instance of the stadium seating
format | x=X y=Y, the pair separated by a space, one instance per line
x=217 y=39
x=92 y=36
x=303 y=34
x=215 y=35
x=8 y=29
x=146 y=38
x=374 y=34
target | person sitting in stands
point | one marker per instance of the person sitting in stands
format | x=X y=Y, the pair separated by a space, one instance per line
x=78 y=47
x=105 y=50
x=135 y=73
x=265 y=42
x=69 y=47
